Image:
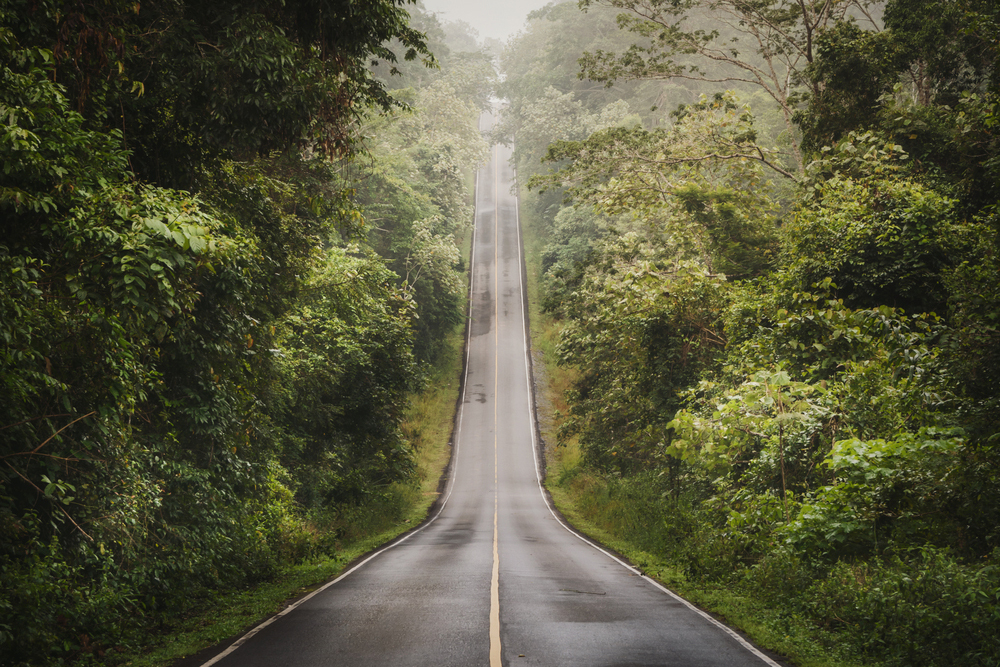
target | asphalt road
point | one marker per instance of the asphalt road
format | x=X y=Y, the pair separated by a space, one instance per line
x=494 y=578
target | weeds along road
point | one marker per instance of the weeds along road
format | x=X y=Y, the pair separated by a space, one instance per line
x=494 y=578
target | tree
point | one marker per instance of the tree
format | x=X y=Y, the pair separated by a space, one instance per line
x=347 y=364
x=640 y=325
x=707 y=165
x=553 y=117
x=415 y=195
x=927 y=54
x=883 y=241
x=764 y=45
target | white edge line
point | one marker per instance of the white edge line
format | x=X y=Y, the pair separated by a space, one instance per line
x=538 y=473
x=451 y=482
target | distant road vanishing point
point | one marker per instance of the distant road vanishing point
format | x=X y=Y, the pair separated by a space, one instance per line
x=494 y=577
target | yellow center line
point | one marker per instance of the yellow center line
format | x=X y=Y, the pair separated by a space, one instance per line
x=495 y=660
x=495 y=600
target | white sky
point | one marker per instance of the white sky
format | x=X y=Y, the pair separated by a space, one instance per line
x=492 y=18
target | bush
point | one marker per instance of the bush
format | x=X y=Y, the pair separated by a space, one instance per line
x=55 y=611
x=931 y=609
x=779 y=580
x=925 y=607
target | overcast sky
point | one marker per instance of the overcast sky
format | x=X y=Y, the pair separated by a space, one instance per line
x=492 y=18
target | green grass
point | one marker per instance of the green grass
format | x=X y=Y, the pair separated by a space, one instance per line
x=431 y=418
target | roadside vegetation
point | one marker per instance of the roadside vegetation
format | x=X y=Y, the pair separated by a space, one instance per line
x=768 y=270
x=231 y=306
x=764 y=245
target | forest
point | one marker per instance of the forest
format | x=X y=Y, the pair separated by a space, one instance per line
x=229 y=260
x=769 y=272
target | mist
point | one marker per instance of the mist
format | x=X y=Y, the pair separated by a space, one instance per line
x=492 y=20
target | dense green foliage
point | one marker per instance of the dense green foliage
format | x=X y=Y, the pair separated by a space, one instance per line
x=790 y=363
x=416 y=190
x=206 y=351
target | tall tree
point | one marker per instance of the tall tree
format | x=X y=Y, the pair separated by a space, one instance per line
x=766 y=45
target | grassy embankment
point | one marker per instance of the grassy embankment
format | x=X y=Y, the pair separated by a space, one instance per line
x=626 y=515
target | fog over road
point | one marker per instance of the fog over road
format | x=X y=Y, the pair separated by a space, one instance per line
x=494 y=578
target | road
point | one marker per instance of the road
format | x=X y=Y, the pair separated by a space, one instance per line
x=494 y=578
